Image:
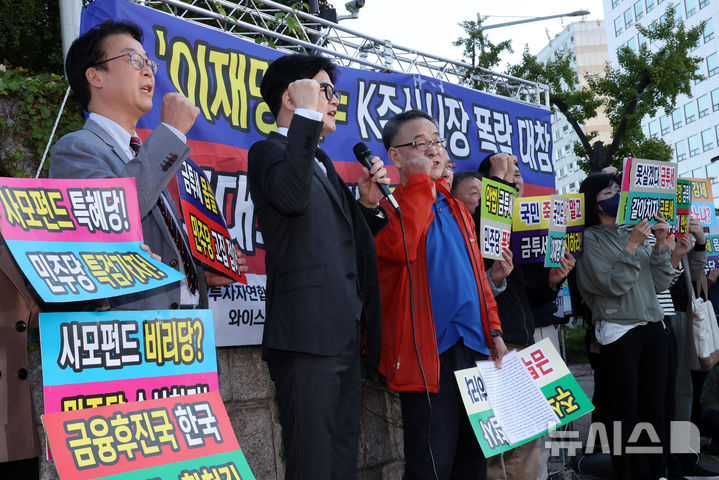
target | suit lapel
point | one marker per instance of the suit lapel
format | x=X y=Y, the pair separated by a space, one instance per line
x=335 y=193
x=95 y=128
x=332 y=183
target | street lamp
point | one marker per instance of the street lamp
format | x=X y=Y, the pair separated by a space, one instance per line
x=578 y=13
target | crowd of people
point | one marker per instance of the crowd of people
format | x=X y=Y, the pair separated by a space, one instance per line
x=406 y=289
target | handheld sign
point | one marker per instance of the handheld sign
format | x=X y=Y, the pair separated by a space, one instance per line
x=557 y=231
x=649 y=187
x=560 y=390
x=703 y=202
x=210 y=242
x=77 y=240
x=154 y=439
x=496 y=224
x=92 y=359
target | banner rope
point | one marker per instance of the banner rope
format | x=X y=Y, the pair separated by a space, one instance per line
x=52 y=134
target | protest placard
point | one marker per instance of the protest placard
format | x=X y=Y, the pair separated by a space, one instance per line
x=546 y=368
x=497 y=204
x=712 y=247
x=78 y=242
x=93 y=359
x=557 y=232
x=210 y=241
x=530 y=227
x=649 y=187
x=703 y=202
x=153 y=439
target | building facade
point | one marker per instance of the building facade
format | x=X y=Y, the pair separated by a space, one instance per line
x=692 y=129
x=587 y=42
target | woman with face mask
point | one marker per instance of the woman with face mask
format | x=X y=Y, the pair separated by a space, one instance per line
x=619 y=275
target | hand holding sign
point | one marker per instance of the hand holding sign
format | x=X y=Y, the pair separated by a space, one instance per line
x=640 y=232
x=502 y=268
x=558 y=274
x=661 y=230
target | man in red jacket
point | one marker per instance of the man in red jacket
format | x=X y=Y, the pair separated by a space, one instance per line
x=452 y=321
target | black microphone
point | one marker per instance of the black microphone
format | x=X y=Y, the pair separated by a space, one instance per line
x=364 y=156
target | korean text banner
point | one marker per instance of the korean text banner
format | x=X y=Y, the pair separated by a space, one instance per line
x=557 y=234
x=92 y=359
x=221 y=74
x=75 y=241
x=497 y=203
x=550 y=373
x=136 y=439
x=530 y=227
x=712 y=247
x=649 y=188
x=702 y=207
x=210 y=241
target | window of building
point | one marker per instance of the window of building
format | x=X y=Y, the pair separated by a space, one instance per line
x=665 y=124
x=659 y=2
x=717 y=132
x=680 y=149
x=628 y=18
x=632 y=44
x=641 y=39
x=704 y=3
x=701 y=70
x=707 y=139
x=715 y=99
x=694 y=145
x=618 y=26
x=615 y=3
x=638 y=10
x=690 y=112
x=708 y=30
x=654 y=128
x=712 y=64
x=649 y=4
x=700 y=172
x=703 y=104
x=677 y=119
x=690 y=7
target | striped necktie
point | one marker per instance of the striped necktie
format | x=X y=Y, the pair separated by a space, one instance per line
x=190 y=271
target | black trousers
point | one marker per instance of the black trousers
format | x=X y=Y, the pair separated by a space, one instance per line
x=636 y=369
x=455 y=448
x=319 y=400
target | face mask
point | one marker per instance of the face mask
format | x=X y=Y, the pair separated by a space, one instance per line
x=610 y=205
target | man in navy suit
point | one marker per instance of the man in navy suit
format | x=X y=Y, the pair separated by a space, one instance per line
x=322 y=286
x=114 y=79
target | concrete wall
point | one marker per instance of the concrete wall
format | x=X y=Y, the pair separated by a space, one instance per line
x=248 y=394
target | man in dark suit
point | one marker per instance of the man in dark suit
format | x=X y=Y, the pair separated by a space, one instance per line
x=113 y=78
x=322 y=286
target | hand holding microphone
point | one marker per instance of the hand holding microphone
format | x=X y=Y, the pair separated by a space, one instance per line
x=374 y=173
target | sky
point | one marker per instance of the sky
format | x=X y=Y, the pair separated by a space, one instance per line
x=430 y=26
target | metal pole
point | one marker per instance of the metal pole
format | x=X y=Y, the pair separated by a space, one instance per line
x=69 y=22
x=578 y=13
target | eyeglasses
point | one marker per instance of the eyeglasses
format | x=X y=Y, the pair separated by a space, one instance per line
x=137 y=61
x=330 y=92
x=423 y=145
x=449 y=167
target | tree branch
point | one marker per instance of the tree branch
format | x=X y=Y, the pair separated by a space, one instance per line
x=562 y=106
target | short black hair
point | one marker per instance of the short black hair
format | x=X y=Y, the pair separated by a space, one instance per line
x=462 y=176
x=88 y=49
x=391 y=128
x=286 y=70
x=590 y=187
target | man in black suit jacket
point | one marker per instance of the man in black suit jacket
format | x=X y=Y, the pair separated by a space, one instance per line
x=322 y=287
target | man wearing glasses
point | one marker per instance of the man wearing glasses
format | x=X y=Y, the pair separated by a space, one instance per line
x=114 y=80
x=322 y=288
x=452 y=321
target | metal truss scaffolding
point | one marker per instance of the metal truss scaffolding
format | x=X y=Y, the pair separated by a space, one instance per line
x=293 y=30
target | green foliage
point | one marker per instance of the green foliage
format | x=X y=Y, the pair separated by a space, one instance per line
x=30 y=35
x=644 y=82
x=479 y=50
x=30 y=104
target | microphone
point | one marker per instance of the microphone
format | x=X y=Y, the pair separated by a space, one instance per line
x=364 y=156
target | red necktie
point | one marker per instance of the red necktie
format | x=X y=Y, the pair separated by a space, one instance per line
x=190 y=271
